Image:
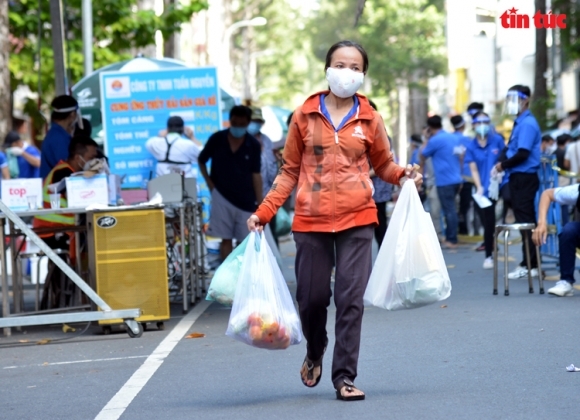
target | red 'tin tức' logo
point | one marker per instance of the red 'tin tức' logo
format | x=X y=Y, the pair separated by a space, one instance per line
x=512 y=19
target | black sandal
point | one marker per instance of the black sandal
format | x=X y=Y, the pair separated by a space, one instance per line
x=310 y=365
x=349 y=387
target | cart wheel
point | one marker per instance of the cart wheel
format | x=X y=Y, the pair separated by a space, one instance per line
x=107 y=330
x=144 y=325
x=160 y=326
x=132 y=334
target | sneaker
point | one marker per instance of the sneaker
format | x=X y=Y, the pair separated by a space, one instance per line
x=521 y=272
x=480 y=248
x=562 y=288
x=488 y=263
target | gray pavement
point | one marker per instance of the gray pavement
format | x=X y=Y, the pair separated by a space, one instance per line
x=474 y=356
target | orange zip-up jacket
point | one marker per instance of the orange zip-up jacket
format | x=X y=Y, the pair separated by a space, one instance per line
x=331 y=169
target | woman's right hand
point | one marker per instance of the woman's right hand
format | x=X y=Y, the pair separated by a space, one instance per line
x=254 y=224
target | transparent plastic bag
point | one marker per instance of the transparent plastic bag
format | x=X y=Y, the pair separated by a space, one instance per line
x=263 y=314
x=223 y=284
x=410 y=271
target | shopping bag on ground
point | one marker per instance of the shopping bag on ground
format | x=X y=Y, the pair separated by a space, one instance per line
x=263 y=314
x=409 y=271
x=223 y=284
x=283 y=222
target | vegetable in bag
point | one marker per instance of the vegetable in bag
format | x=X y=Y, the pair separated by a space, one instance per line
x=263 y=314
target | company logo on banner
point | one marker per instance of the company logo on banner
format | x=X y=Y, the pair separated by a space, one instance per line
x=117 y=87
x=136 y=106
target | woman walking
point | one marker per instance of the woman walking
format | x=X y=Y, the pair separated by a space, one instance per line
x=329 y=144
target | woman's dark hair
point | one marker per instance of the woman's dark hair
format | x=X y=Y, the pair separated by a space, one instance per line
x=241 y=111
x=289 y=119
x=343 y=44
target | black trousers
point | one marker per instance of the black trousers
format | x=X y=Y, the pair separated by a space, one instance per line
x=381 y=229
x=315 y=252
x=523 y=189
x=465 y=200
x=488 y=221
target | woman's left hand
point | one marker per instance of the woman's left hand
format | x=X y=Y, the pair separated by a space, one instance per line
x=412 y=172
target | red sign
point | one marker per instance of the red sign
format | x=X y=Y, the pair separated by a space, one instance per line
x=511 y=19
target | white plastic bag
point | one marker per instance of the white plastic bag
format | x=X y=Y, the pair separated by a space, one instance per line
x=410 y=271
x=263 y=314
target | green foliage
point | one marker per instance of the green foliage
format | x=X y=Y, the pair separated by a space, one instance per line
x=570 y=37
x=118 y=27
x=403 y=38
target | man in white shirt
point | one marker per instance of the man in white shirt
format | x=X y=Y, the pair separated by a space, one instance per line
x=569 y=238
x=572 y=157
x=176 y=149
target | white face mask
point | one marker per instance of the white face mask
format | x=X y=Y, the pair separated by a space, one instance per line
x=344 y=82
x=551 y=149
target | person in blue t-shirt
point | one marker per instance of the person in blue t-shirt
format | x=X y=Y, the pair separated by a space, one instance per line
x=445 y=151
x=63 y=119
x=481 y=155
x=521 y=160
x=25 y=156
x=4 y=166
x=465 y=198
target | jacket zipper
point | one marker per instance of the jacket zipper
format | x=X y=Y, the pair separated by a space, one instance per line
x=333 y=192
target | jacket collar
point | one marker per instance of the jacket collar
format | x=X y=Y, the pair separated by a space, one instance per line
x=312 y=105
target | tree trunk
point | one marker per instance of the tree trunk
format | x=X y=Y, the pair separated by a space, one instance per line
x=5 y=91
x=169 y=43
x=418 y=103
x=540 y=101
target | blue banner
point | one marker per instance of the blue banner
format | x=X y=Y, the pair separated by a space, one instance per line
x=136 y=106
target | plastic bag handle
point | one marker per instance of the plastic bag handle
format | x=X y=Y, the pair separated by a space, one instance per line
x=257 y=240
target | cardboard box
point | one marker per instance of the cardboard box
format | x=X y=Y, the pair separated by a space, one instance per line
x=82 y=191
x=15 y=193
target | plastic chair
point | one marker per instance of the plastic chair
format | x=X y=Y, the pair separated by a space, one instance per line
x=522 y=227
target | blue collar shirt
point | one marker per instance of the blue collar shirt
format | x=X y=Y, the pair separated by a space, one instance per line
x=484 y=157
x=54 y=149
x=526 y=135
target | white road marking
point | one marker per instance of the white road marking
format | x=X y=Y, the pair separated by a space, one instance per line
x=119 y=403
x=77 y=361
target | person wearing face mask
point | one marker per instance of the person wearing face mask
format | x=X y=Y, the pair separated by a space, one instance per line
x=63 y=119
x=481 y=155
x=331 y=139
x=235 y=181
x=25 y=158
x=81 y=151
x=269 y=163
x=521 y=160
x=175 y=149
x=465 y=198
x=547 y=146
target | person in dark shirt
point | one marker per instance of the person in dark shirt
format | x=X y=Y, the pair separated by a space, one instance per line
x=63 y=119
x=235 y=181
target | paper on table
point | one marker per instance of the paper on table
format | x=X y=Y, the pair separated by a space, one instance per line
x=481 y=200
